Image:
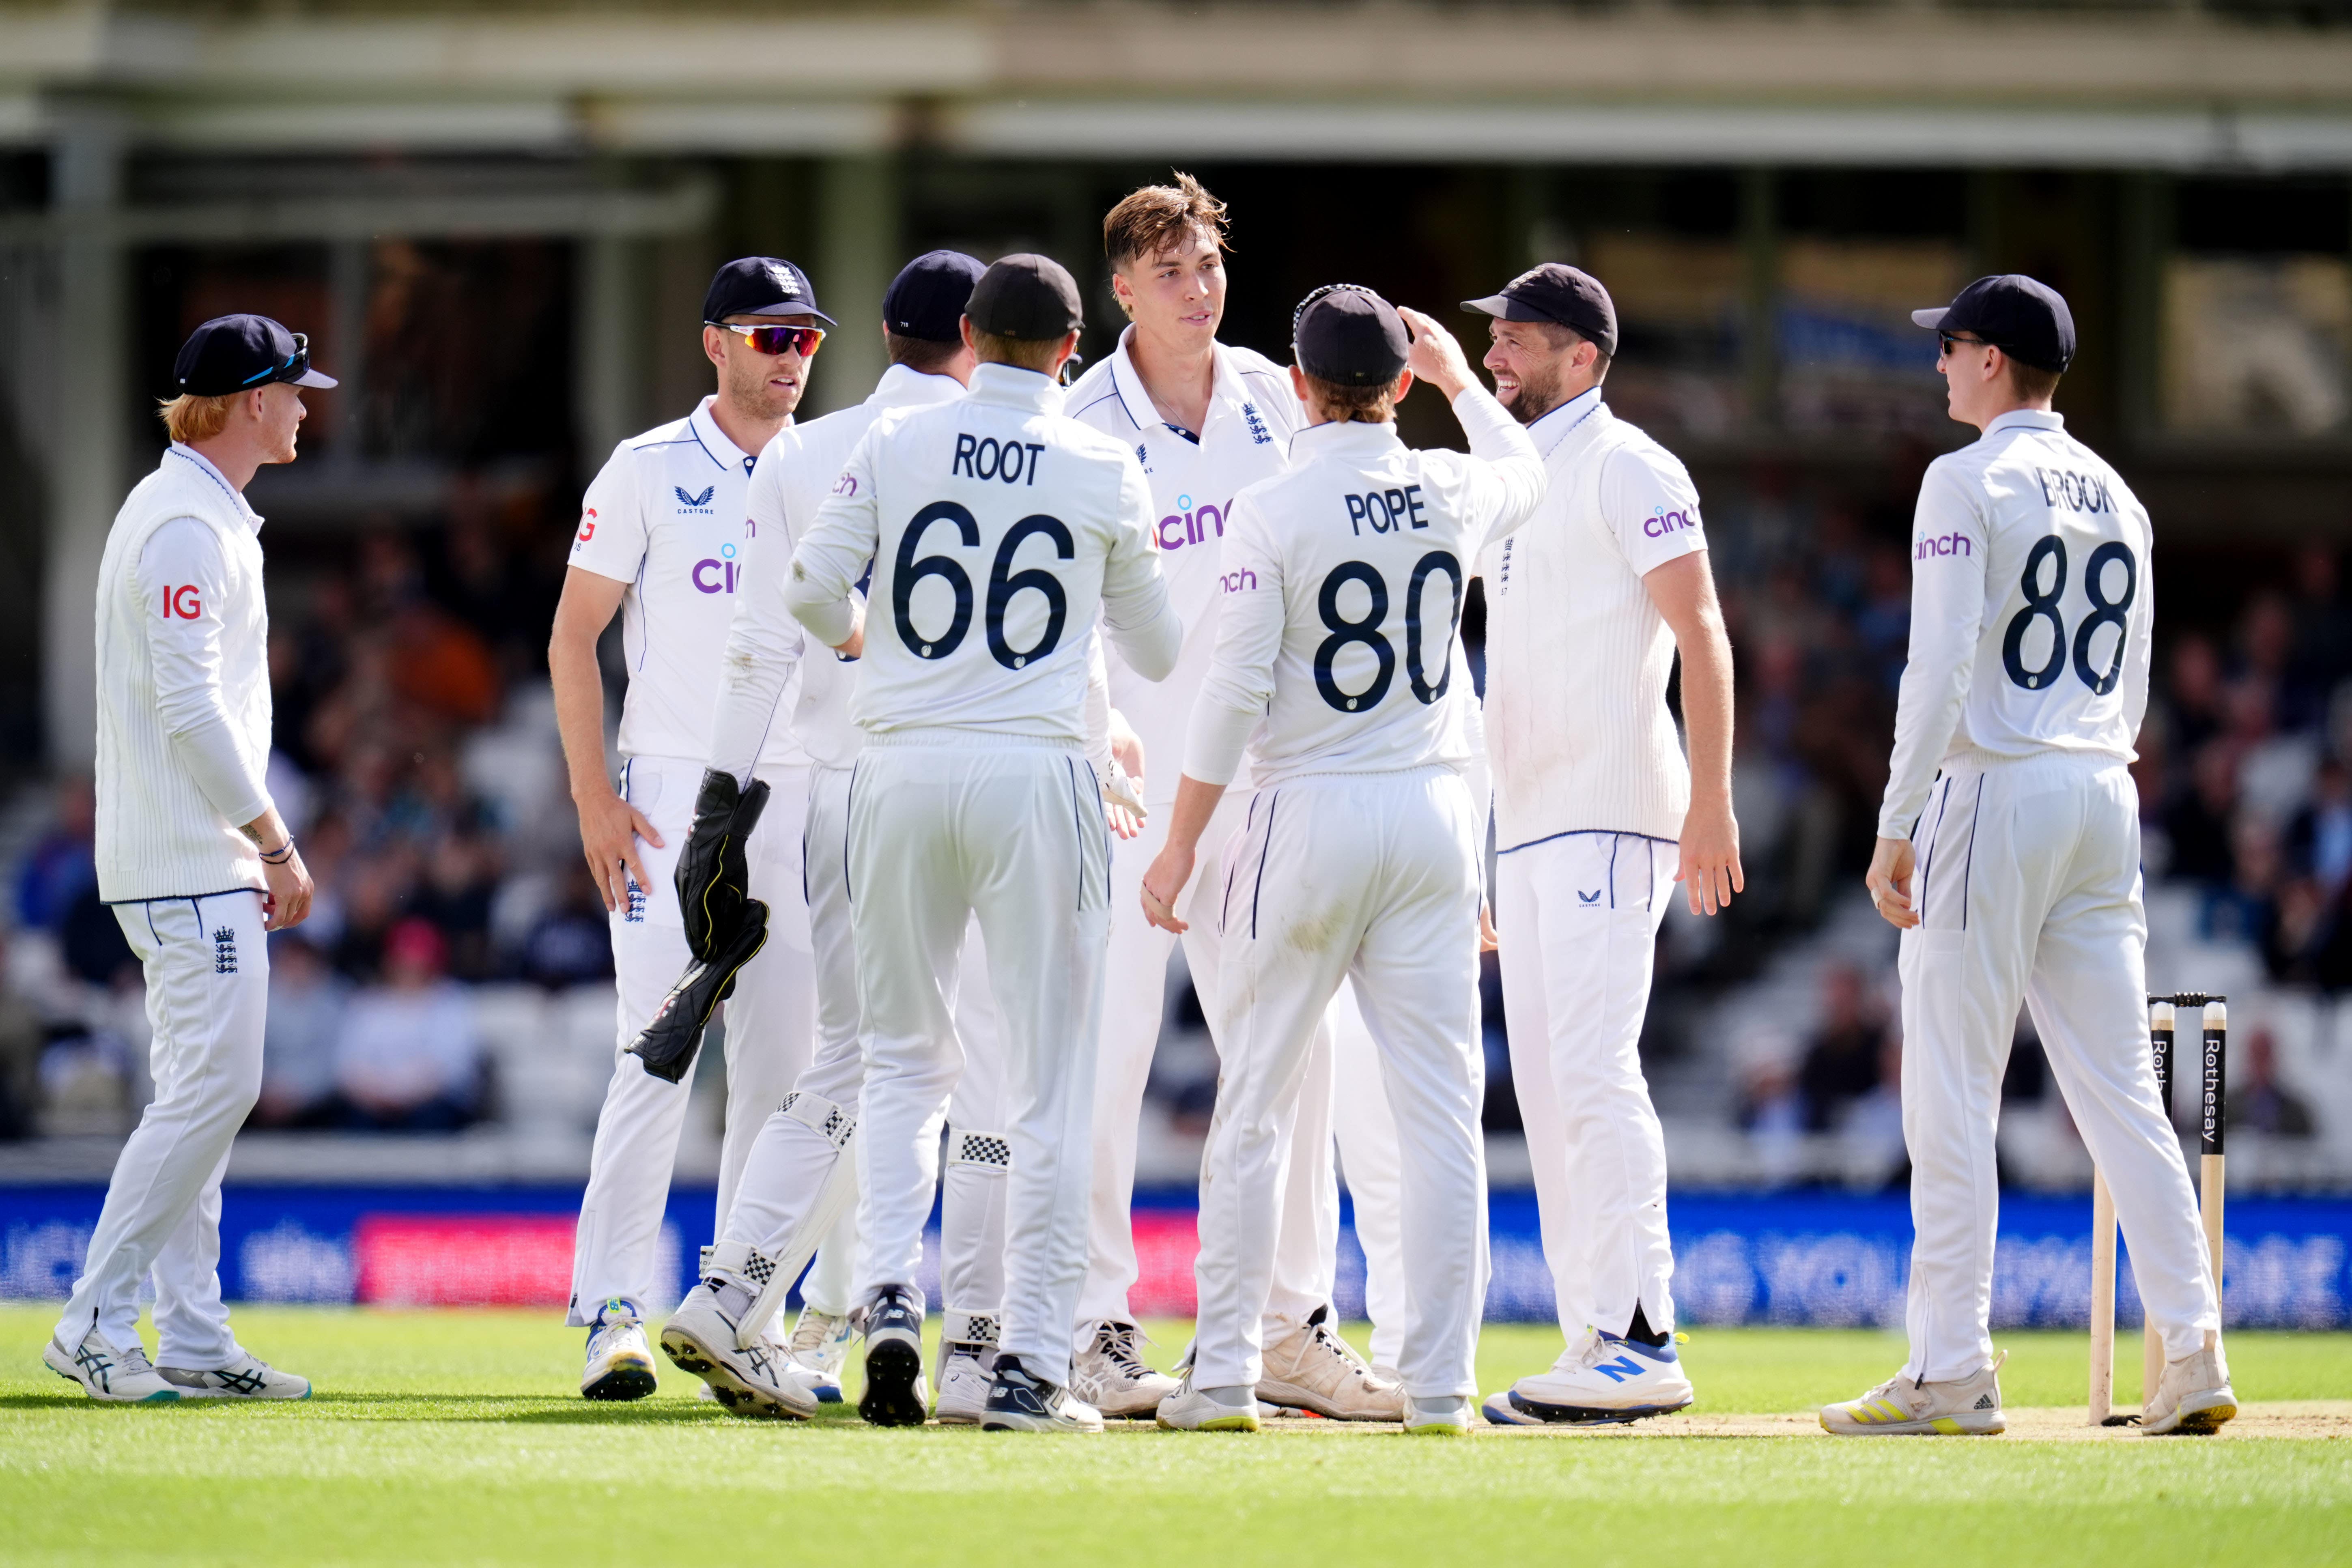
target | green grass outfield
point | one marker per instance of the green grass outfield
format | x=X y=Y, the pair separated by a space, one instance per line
x=456 y=1438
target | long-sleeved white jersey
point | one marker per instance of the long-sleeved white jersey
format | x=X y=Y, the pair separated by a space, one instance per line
x=1343 y=581
x=998 y=530
x=2033 y=601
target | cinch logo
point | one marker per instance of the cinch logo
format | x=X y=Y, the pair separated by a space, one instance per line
x=1943 y=544
x=1661 y=523
x=183 y=602
x=700 y=503
x=2075 y=492
x=716 y=576
x=1258 y=432
x=1191 y=526
x=588 y=526
x=1240 y=582
x=846 y=485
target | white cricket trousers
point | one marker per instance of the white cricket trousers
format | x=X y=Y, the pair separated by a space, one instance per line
x=206 y=962
x=946 y=825
x=1373 y=877
x=2028 y=883
x=1577 y=920
x=769 y=1029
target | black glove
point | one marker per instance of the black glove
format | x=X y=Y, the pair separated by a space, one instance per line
x=714 y=878
x=667 y=1044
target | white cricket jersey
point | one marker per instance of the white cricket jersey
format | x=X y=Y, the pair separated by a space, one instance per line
x=2032 y=602
x=183 y=707
x=774 y=675
x=667 y=516
x=998 y=530
x=1577 y=653
x=1343 y=582
x=1253 y=414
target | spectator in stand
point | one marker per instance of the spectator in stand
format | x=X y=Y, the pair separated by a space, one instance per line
x=21 y=1041
x=60 y=867
x=572 y=943
x=2196 y=819
x=2259 y=1104
x=308 y=1001
x=2322 y=658
x=1842 y=1064
x=411 y=1055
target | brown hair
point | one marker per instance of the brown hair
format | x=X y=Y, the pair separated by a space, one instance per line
x=920 y=354
x=2033 y=383
x=1357 y=405
x=1154 y=219
x=1029 y=353
x=191 y=420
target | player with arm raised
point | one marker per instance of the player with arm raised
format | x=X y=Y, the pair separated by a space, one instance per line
x=1343 y=583
x=2009 y=857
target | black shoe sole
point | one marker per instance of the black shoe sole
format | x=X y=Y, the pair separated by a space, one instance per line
x=622 y=1383
x=894 y=1393
x=1584 y=1415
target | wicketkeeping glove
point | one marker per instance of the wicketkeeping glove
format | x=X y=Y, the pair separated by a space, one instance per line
x=714 y=875
x=667 y=1044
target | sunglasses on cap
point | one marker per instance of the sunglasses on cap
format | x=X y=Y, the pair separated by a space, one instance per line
x=294 y=366
x=801 y=341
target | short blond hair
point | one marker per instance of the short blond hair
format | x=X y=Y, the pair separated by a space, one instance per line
x=191 y=419
x=1342 y=404
x=1029 y=353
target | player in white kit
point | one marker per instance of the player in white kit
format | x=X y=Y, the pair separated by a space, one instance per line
x=1343 y=582
x=661 y=537
x=998 y=530
x=2009 y=856
x=1205 y=420
x=1597 y=815
x=195 y=859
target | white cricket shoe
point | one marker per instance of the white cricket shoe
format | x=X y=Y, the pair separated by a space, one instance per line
x=118 y=1376
x=772 y=1339
x=1021 y=1401
x=620 y=1360
x=1110 y=1373
x=1601 y=1380
x=1907 y=1407
x=247 y=1376
x=1447 y=1415
x=1186 y=1409
x=1312 y=1368
x=820 y=1348
x=966 y=1372
x=2193 y=1395
x=700 y=1338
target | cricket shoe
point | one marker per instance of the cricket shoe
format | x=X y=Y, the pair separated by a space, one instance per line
x=620 y=1360
x=1908 y=1408
x=123 y=1376
x=1111 y=1375
x=758 y=1381
x=2194 y=1394
x=1601 y=1380
x=967 y=1374
x=820 y=1347
x=1312 y=1368
x=1189 y=1409
x=1021 y=1401
x=1447 y=1415
x=894 y=1393
x=247 y=1376
x=777 y=1346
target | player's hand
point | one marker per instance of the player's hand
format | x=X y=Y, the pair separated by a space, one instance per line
x=1889 y=882
x=1710 y=867
x=1487 y=941
x=288 y=902
x=609 y=830
x=1435 y=357
x=1163 y=884
x=1127 y=748
x=1123 y=800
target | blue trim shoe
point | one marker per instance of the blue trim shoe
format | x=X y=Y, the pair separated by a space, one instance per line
x=1601 y=1380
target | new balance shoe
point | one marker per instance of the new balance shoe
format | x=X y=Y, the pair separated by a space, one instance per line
x=758 y=1381
x=1021 y=1401
x=246 y=1377
x=820 y=1347
x=1190 y=1409
x=894 y=1393
x=1907 y=1407
x=1447 y=1415
x=1312 y=1368
x=118 y=1376
x=1601 y=1380
x=1110 y=1373
x=2193 y=1395
x=620 y=1360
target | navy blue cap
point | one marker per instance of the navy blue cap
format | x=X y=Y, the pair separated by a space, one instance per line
x=1558 y=293
x=1346 y=334
x=2025 y=318
x=927 y=299
x=1026 y=297
x=236 y=353
x=761 y=286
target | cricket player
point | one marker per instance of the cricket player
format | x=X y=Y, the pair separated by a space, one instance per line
x=1205 y=420
x=662 y=531
x=193 y=858
x=1597 y=815
x=2009 y=857
x=1343 y=582
x=999 y=530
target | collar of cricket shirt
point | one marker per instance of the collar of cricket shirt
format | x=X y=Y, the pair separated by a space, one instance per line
x=2028 y=419
x=723 y=452
x=1345 y=437
x=1580 y=418
x=1012 y=384
x=903 y=387
x=205 y=466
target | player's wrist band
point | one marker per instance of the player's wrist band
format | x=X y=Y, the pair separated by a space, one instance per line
x=279 y=856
